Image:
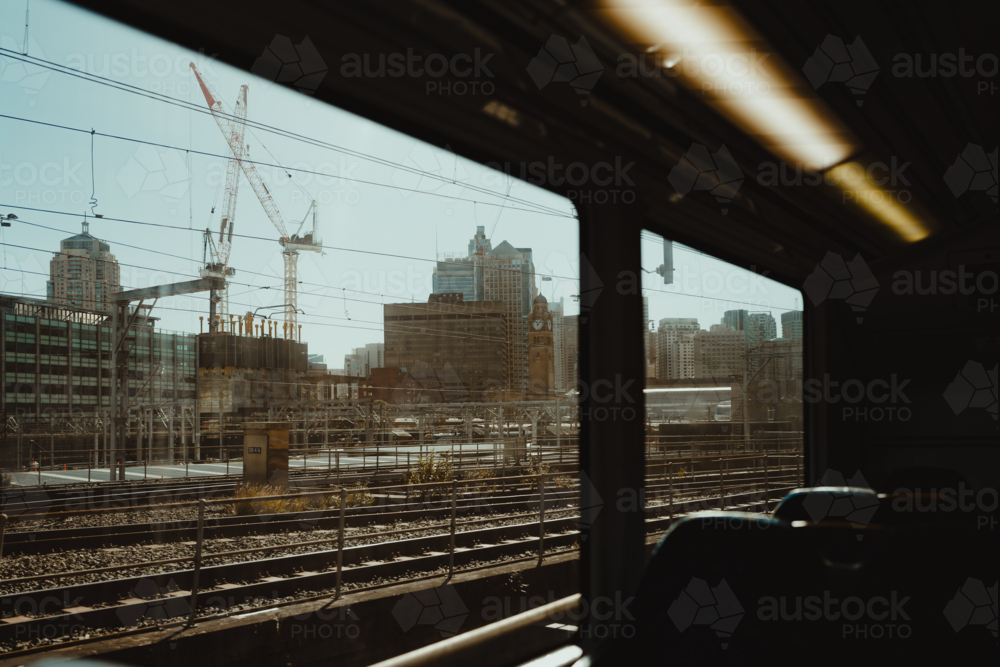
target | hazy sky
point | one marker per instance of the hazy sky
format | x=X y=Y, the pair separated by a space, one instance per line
x=42 y=167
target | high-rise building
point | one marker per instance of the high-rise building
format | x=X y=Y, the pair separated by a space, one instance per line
x=645 y=329
x=718 y=353
x=479 y=244
x=791 y=324
x=571 y=351
x=503 y=273
x=463 y=274
x=557 y=311
x=455 y=275
x=652 y=350
x=83 y=273
x=450 y=349
x=760 y=327
x=508 y=275
x=784 y=359
x=361 y=360
x=668 y=357
x=735 y=320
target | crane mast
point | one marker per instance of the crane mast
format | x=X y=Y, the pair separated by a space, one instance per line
x=216 y=259
x=232 y=129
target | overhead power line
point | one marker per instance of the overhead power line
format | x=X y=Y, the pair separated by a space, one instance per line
x=191 y=106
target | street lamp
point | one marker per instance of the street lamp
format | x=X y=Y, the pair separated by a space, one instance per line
x=5 y=220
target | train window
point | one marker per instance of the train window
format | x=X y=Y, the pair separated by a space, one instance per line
x=385 y=336
x=723 y=392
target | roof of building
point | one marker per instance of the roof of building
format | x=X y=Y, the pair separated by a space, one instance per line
x=540 y=299
x=505 y=249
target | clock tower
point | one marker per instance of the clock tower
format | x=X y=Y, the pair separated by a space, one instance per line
x=541 y=350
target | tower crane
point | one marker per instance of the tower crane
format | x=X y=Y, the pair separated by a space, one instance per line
x=215 y=257
x=232 y=128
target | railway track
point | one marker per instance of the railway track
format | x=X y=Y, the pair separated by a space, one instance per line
x=389 y=509
x=155 y=597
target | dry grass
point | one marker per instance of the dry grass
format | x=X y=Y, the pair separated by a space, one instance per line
x=536 y=467
x=429 y=469
x=354 y=499
x=250 y=507
x=480 y=476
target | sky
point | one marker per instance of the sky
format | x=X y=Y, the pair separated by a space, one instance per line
x=387 y=203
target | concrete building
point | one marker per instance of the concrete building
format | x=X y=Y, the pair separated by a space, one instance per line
x=652 y=350
x=668 y=357
x=541 y=350
x=504 y=273
x=735 y=320
x=571 y=352
x=84 y=273
x=760 y=327
x=776 y=390
x=645 y=335
x=557 y=312
x=455 y=275
x=509 y=276
x=361 y=360
x=463 y=274
x=719 y=352
x=791 y=324
x=452 y=349
x=58 y=359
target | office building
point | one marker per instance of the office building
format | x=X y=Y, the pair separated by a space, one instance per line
x=453 y=350
x=361 y=360
x=509 y=277
x=84 y=273
x=735 y=320
x=571 y=352
x=58 y=359
x=791 y=324
x=557 y=312
x=719 y=352
x=760 y=327
x=668 y=362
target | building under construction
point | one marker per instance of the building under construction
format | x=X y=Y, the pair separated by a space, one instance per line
x=244 y=375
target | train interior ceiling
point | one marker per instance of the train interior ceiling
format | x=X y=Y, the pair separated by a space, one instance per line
x=861 y=250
